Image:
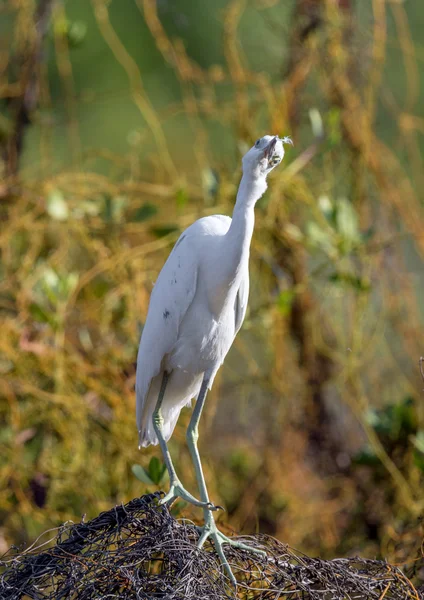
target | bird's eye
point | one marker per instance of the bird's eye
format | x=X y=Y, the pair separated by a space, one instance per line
x=257 y=143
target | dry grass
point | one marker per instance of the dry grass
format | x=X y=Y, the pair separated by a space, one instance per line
x=140 y=551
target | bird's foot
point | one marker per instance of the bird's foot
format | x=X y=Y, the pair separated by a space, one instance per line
x=219 y=539
x=177 y=490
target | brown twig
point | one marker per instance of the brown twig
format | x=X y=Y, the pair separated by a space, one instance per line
x=23 y=105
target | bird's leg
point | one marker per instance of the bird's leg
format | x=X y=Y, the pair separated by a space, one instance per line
x=176 y=488
x=209 y=529
x=193 y=436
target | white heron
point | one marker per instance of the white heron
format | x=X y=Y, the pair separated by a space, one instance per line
x=196 y=308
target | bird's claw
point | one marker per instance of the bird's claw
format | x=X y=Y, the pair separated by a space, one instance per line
x=177 y=490
x=214 y=507
x=219 y=539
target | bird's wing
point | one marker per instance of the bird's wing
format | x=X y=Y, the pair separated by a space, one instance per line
x=240 y=304
x=171 y=297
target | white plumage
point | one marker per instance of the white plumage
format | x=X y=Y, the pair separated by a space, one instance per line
x=197 y=312
x=197 y=306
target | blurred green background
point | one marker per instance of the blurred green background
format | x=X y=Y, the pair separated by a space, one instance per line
x=123 y=122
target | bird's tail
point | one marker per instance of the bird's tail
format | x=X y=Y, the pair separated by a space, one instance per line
x=170 y=413
x=145 y=407
x=181 y=388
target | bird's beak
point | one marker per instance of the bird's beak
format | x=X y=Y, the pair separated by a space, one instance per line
x=269 y=149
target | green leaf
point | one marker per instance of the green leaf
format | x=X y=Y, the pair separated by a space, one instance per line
x=319 y=237
x=100 y=286
x=56 y=287
x=372 y=418
x=418 y=441
x=164 y=230
x=113 y=208
x=395 y=421
x=382 y=421
x=67 y=284
x=156 y=470
x=181 y=198
x=6 y=365
x=41 y=315
x=118 y=206
x=108 y=208
x=49 y=284
x=293 y=232
x=85 y=339
x=347 y=220
x=316 y=122
x=50 y=278
x=419 y=460
x=327 y=208
x=141 y=474
x=366 y=457
x=210 y=183
x=367 y=235
x=405 y=415
x=285 y=302
x=7 y=435
x=333 y=126
x=57 y=207
x=241 y=463
x=76 y=33
x=86 y=208
x=350 y=280
x=146 y=211
x=164 y=476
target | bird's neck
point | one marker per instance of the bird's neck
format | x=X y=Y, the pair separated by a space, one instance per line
x=236 y=244
x=232 y=262
x=240 y=233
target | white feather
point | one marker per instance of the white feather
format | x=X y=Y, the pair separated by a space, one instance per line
x=163 y=339
x=199 y=301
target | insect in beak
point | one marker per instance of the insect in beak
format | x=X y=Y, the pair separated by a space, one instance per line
x=274 y=158
x=269 y=149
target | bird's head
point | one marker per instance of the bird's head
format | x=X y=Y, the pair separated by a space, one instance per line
x=265 y=155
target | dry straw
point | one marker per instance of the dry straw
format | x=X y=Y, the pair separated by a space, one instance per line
x=140 y=551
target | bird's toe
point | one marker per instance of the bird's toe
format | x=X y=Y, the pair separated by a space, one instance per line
x=214 y=507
